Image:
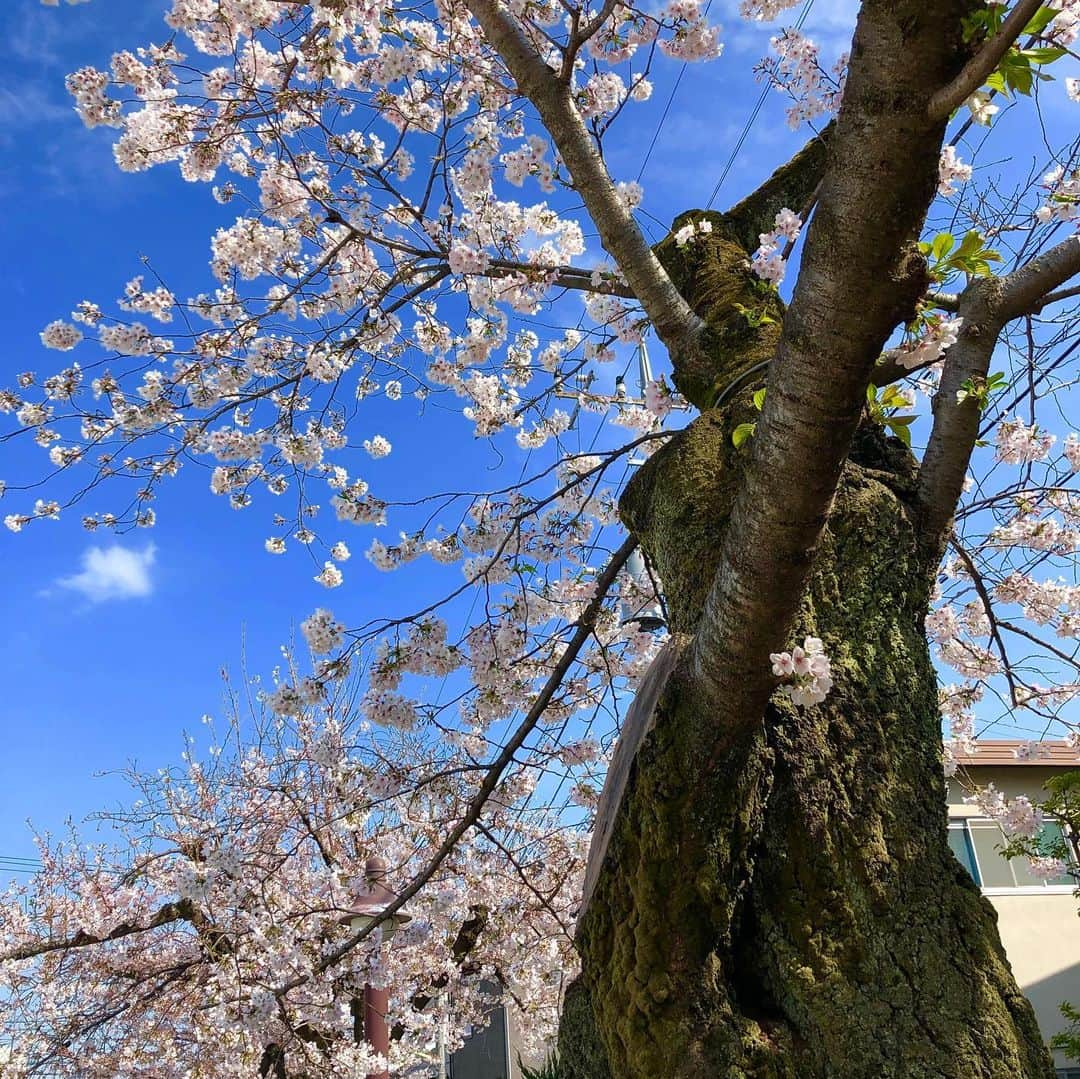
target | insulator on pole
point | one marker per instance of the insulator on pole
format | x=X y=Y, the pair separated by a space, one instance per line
x=648 y=615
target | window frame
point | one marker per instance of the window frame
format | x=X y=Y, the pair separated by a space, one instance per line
x=961 y=824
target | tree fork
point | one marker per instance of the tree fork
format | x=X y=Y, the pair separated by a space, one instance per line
x=777 y=897
x=793 y=910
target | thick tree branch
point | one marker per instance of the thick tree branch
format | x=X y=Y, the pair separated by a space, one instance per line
x=572 y=277
x=887 y=370
x=1039 y=306
x=181 y=911
x=860 y=276
x=979 y=67
x=791 y=185
x=986 y=305
x=1032 y=284
x=675 y=323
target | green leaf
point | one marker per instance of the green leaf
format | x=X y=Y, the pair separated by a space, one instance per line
x=1043 y=55
x=1017 y=71
x=891 y=397
x=1040 y=21
x=971 y=257
x=901 y=432
x=971 y=244
x=942 y=244
x=996 y=81
x=759 y=399
x=754 y=318
x=743 y=432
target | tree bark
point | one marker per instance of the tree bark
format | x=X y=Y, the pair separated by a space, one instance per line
x=779 y=899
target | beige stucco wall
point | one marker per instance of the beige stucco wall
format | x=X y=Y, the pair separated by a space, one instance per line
x=1041 y=933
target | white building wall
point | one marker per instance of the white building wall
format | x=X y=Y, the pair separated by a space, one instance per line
x=1040 y=930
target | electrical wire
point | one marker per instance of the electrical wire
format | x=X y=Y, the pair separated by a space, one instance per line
x=667 y=107
x=758 y=105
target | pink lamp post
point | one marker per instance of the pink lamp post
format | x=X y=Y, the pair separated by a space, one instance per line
x=369 y=906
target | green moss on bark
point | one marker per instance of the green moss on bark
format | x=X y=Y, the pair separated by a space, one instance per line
x=679 y=500
x=713 y=272
x=581 y=1053
x=781 y=903
x=786 y=904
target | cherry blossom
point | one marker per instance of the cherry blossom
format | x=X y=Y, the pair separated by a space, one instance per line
x=356 y=265
x=951 y=172
x=808 y=669
x=769 y=261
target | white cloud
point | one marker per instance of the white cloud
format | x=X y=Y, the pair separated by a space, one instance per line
x=29 y=107
x=113 y=573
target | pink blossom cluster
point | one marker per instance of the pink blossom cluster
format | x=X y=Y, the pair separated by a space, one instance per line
x=575 y=754
x=1019 y=443
x=659 y=397
x=768 y=261
x=1062 y=196
x=951 y=171
x=808 y=670
x=1065 y=29
x=244 y=865
x=1040 y=533
x=1017 y=816
x=1047 y=868
x=692 y=231
x=764 y=10
x=601 y=95
x=692 y=38
x=938 y=335
x=796 y=70
x=60 y=335
x=322 y=633
x=1044 y=602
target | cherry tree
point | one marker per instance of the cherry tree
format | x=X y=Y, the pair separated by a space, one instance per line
x=744 y=872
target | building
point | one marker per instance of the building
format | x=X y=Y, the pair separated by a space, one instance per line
x=1038 y=920
x=491 y=1053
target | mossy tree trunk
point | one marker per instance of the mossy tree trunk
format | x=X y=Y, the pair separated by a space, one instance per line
x=772 y=893
x=781 y=900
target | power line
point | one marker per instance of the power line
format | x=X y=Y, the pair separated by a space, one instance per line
x=659 y=126
x=15 y=864
x=667 y=107
x=758 y=105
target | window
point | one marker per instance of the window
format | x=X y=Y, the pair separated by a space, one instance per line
x=975 y=842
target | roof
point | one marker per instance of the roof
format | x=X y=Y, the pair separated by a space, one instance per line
x=997 y=752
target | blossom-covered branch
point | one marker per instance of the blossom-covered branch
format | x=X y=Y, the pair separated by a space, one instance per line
x=986 y=305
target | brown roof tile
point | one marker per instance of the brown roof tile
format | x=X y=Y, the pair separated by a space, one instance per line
x=996 y=752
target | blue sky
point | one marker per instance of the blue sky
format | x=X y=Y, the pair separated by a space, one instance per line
x=112 y=646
